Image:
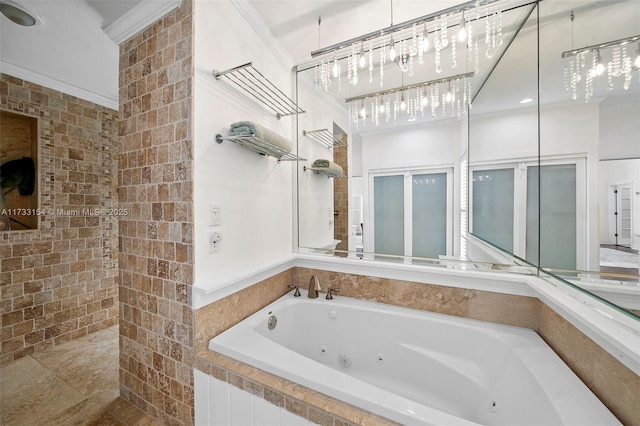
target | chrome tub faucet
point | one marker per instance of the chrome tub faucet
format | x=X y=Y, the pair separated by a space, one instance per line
x=330 y=292
x=314 y=287
x=297 y=292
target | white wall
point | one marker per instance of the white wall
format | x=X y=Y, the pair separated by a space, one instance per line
x=253 y=191
x=620 y=130
x=503 y=136
x=218 y=403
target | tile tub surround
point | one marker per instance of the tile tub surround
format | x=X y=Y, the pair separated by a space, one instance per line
x=616 y=386
x=155 y=177
x=59 y=282
x=299 y=400
x=520 y=311
x=613 y=383
x=216 y=317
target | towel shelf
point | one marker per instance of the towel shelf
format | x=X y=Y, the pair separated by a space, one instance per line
x=325 y=137
x=254 y=83
x=260 y=146
x=324 y=171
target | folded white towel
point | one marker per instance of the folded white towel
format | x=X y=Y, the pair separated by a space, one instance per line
x=246 y=128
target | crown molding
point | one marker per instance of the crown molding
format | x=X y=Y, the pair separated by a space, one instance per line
x=139 y=17
x=253 y=18
x=55 y=84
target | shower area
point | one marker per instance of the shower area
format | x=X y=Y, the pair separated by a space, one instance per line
x=59 y=263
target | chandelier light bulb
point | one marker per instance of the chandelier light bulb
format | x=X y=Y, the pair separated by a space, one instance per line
x=392 y=50
x=462 y=32
x=449 y=96
x=599 y=69
x=381 y=106
x=362 y=61
x=424 y=46
x=403 y=103
x=424 y=100
x=336 y=68
x=363 y=111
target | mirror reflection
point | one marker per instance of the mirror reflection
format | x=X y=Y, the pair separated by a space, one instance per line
x=544 y=165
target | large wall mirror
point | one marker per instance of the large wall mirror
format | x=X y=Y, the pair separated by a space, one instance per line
x=543 y=166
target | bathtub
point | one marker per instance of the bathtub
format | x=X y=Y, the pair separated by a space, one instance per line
x=413 y=367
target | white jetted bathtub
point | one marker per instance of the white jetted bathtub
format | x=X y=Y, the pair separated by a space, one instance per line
x=414 y=367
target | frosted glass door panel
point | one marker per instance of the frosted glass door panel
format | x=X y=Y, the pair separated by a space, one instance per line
x=388 y=199
x=429 y=216
x=493 y=206
x=557 y=216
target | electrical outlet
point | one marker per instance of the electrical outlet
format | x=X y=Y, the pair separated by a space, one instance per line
x=215 y=239
x=215 y=215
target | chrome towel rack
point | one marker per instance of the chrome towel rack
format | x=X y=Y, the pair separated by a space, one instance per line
x=324 y=171
x=325 y=137
x=260 y=146
x=254 y=83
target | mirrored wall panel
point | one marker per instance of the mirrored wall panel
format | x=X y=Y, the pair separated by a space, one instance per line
x=399 y=99
x=590 y=140
x=507 y=126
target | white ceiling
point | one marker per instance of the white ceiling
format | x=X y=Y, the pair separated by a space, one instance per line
x=74 y=45
x=73 y=48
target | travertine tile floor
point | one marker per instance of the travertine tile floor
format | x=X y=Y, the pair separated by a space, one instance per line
x=75 y=383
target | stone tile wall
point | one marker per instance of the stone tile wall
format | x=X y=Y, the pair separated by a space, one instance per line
x=59 y=282
x=156 y=239
x=341 y=198
x=616 y=385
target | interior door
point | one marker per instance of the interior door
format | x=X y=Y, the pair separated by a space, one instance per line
x=622 y=219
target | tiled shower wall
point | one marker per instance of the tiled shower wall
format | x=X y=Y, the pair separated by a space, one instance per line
x=341 y=198
x=59 y=282
x=156 y=238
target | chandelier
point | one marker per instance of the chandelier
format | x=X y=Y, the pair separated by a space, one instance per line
x=444 y=96
x=587 y=64
x=418 y=43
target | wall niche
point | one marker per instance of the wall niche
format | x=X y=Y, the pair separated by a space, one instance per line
x=18 y=172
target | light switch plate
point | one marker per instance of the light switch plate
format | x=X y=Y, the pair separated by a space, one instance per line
x=215 y=215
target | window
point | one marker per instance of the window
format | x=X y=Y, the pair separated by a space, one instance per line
x=412 y=213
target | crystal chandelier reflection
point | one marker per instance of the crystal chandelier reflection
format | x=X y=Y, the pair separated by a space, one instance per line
x=587 y=64
x=408 y=44
x=450 y=96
